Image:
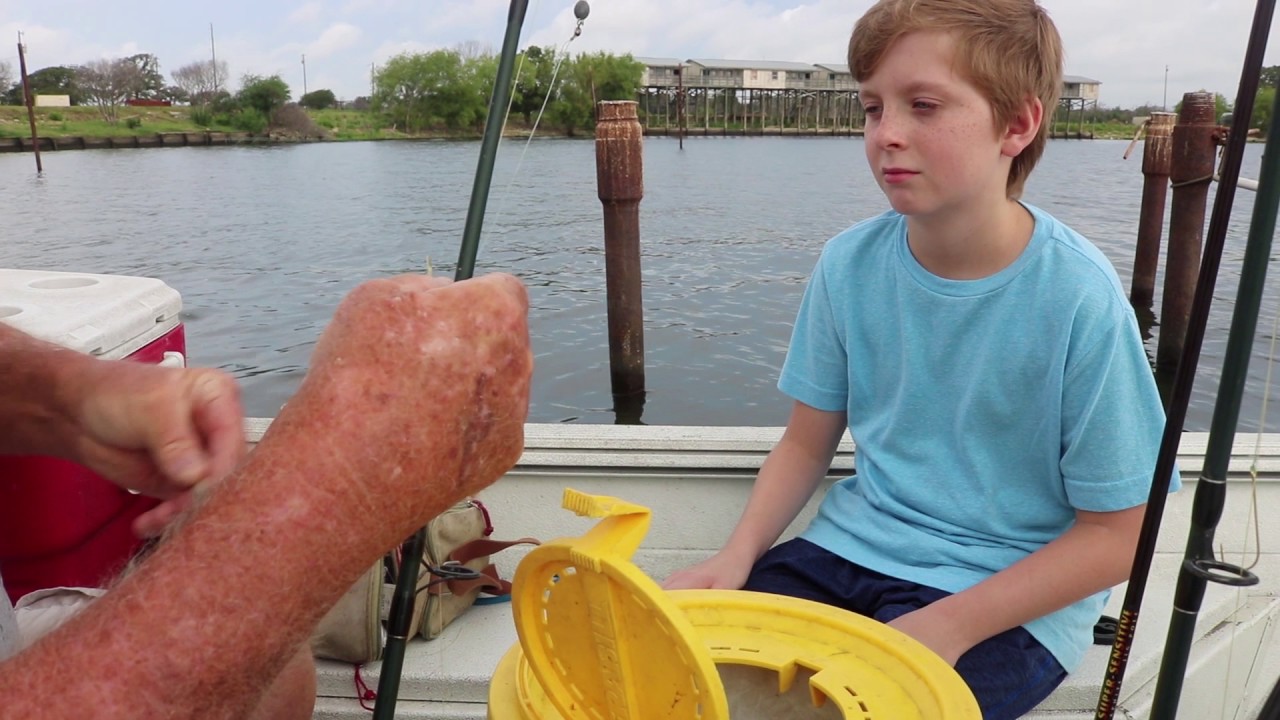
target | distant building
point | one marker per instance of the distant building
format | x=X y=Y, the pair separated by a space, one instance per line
x=53 y=101
x=1077 y=86
x=775 y=75
x=835 y=76
x=660 y=72
x=749 y=74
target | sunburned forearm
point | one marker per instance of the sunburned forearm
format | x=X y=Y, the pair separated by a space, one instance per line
x=35 y=416
x=1086 y=559
x=259 y=588
x=398 y=417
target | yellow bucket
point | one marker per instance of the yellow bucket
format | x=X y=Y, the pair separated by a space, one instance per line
x=600 y=640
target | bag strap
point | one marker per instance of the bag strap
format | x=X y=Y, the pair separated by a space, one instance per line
x=469 y=551
x=488 y=582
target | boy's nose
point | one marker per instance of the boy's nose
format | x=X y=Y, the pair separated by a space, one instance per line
x=889 y=131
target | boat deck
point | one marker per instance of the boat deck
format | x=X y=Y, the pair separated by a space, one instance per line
x=696 y=481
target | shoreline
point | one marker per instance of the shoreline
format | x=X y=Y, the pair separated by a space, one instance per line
x=212 y=138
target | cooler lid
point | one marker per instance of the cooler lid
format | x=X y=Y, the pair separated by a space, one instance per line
x=109 y=316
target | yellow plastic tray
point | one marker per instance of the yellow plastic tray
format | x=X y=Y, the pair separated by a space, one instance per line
x=600 y=640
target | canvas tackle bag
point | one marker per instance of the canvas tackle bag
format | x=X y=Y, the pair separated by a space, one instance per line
x=456 y=569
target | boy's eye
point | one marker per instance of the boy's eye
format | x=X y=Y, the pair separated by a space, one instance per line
x=871 y=109
x=924 y=105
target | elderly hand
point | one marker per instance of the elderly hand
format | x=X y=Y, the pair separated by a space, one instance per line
x=160 y=431
x=419 y=389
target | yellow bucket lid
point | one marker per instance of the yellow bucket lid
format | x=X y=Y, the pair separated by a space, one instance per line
x=599 y=639
x=603 y=640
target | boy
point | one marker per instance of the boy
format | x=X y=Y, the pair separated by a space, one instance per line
x=985 y=361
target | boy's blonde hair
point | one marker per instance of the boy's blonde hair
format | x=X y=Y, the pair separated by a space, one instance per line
x=1009 y=49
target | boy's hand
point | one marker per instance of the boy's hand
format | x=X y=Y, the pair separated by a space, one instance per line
x=930 y=628
x=718 y=572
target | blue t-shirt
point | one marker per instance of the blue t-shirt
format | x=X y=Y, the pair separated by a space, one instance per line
x=985 y=412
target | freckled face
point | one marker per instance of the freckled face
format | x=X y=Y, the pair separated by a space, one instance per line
x=930 y=139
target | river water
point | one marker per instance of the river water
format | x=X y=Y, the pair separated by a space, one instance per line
x=262 y=242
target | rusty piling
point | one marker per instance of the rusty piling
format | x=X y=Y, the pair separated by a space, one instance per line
x=620 y=181
x=1157 y=156
x=29 y=100
x=1190 y=173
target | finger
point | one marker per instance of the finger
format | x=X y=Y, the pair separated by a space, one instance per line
x=173 y=438
x=506 y=283
x=153 y=522
x=219 y=420
x=130 y=469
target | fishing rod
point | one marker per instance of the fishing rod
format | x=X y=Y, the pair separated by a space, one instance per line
x=1264 y=224
x=400 y=618
x=1199 y=566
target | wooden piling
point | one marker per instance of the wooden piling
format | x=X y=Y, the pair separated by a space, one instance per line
x=1157 y=156
x=29 y=101
x=1191 y=172
x=620 y=181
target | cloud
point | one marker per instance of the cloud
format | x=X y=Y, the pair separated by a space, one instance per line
x=306 y=14
x=337 y=37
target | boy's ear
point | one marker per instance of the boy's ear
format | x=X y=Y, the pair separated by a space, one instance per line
x=1023 y=128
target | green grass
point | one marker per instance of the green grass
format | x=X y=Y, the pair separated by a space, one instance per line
x=88 y=122
x=355 y=125
x=1102 y=131
x=344 y=124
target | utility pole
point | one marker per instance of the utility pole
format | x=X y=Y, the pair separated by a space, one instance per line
x=1164 y=104
x=213 y=54
x=30 y=102
x=304 y=73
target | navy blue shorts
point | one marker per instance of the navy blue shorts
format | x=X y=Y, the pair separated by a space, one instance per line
x=1009 y=674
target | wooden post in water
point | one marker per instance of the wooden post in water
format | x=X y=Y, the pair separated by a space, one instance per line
x=620 y=181
x=1157 y=155
x=1191 y=174
x=30 y=102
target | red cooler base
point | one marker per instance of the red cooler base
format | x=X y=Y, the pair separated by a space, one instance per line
x=63 y=525
x=60 y=524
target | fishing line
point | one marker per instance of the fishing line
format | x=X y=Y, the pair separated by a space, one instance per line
x=580 y=10
x=519 y=69
x=1252 y=521
x=1188 y=592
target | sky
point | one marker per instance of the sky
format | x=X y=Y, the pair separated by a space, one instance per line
x=1125 y=44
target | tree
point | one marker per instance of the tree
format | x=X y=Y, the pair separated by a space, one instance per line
x=318 y=100
x=108 y=83
x=201 y=80
x=54 y=80
x=150 y=81
x=535 y=82
x=6 y=77
x=590 y=79
x=1270 y=76
x=264 y=94
x=434 y=87
x=1263 y=105
x=472 y=50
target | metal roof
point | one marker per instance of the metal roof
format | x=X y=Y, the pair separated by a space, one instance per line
x=774 y=65
x=659 y=61
x=753 y=65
